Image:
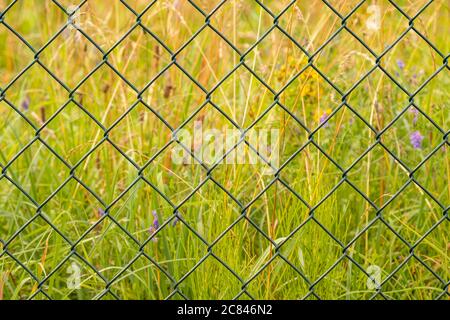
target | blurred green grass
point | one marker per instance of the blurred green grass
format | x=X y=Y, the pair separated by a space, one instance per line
x=116 y=256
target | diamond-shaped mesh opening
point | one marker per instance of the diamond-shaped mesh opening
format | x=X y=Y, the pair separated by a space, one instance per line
x=176 y=249
x=312 y=251
x=12 y=272
x=73 y=210
x=15 y=131
x=277 y=274
x=412 y=137
x=278 y=68
x=107 y=234
x=354 y=213
x=432 y=100
x=224 y=284
x=16 y=55
x=74 y=280
x=81 y=133
x=50 y=171
x=174 y=96
x=437 y=10
x=137 y=46
x=75 y=47
x=378 y=100
x=309 y=97
x=208 y=58
x=96 y=18
x=150 y=283
x=105 y=96
x=245 y=180
x=251 y=245
x=344 y=130
x=39 y=248
x=406 y=60
x=10 y=222
x=412 y=219
x=175 y=179
x=380 y=252
x=378 y=24
x=356 y=283
x=355 y=60
x=94 y=173
x=140 y=134
x=208 y=135
x=405 y=280
x=37 y=95
x=209 y=212
x=36 y=31
x=174 y=22
x=267 y=212
x=301 y=21
x=311 y=181
x=383 y=175
x=285 y=136
x=136 y=210
x=433 y=251
x=242 y=15
x=242 y=97
x=427 y=175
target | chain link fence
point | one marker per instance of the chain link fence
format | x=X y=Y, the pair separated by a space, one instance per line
x=25 y=251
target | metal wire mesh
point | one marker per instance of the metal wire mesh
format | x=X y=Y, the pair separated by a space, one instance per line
x=42 y=281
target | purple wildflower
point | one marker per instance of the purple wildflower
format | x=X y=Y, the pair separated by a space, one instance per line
x=401 y=64
x=323 y=119
x=101 y=212
x=155 y=225
x=155 y=220
x=176 y=220
x=26 y=103
x=416 y=139
x=415 y=112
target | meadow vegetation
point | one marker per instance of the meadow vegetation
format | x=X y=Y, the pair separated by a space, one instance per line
x=88 y=114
